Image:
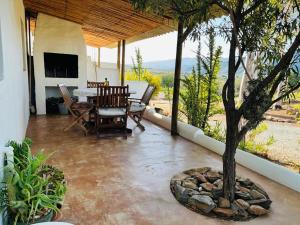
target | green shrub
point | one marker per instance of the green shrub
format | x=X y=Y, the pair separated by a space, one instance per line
x=32 y=189
x=250 y=145
x=216 y=132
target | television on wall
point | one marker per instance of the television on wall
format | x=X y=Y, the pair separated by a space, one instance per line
x=61 y=65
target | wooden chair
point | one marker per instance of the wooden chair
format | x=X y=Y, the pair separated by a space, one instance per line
x=79 y=110
x=112 y=109
x=93 y=84
x=138 y=106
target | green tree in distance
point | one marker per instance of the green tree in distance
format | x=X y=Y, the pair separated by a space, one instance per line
x=138 y=64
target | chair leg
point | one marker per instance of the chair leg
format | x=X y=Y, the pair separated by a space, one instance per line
x=137 y=119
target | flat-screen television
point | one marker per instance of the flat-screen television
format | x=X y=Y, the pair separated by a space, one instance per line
x=61 y=65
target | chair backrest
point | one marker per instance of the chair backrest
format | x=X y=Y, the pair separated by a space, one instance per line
x=93 y=84
x=139 y=87
x=112 y=96
x=148 y=94
x=66 y=95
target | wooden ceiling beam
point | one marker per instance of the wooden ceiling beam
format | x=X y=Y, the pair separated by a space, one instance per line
x=103 y=21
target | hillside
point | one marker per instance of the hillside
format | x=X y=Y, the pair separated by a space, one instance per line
x=167 y=66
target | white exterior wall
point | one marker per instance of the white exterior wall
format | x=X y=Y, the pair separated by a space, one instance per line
x=57 y=36
x=106 y=70
x=14 y=94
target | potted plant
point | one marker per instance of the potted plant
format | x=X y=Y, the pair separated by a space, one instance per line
x=33 y=191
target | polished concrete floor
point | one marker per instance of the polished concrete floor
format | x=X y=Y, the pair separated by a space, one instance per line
x=114 y=181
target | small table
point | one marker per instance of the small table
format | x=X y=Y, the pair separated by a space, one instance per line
x=91 y=92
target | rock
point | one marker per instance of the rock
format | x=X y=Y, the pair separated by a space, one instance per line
x=206 y=193
x=203 y=169
x=193 y=180
x=260 y=189
x=219 y=183
x=212 y=176
x=256 y=195
x=179 y=177
x=193 y=172
x=200 y=177
x=243 y=189
x=178 y=191
x=189 y=184
x=191 y=192
x=217 y=193
x=243 y=195
x=202 y=202
x=245 y=182
x=224 y=203
x=265 y=203
x=239 y=211
x=242 y=203
x=207 y=186
x=257 y=210
x=223 y=212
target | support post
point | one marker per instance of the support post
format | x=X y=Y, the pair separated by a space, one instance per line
x=98 y=61
x=177 y=78
x=119 y=57
x=123 y=62
x=29 y=62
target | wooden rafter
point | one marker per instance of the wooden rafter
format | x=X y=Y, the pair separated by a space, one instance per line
x=104 y=22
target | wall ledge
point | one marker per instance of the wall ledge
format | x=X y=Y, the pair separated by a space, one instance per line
x=271 y=170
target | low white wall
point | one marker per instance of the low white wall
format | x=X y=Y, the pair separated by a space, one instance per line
x=55 y=35
x=262 y=166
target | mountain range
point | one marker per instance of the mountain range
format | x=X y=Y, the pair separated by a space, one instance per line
x=167 y=66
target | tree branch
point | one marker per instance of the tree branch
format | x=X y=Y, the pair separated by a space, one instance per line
x=281 y=65
x=253 y=7
x=286 y=94
x=187 y=32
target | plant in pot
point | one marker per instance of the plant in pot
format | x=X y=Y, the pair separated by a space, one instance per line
x=33 y=191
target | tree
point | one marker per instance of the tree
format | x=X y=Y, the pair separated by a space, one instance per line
x=199 y=92
x=271 y=28
x=140 y=73
x=168 y=82
x=188 y=14
x=138 y=65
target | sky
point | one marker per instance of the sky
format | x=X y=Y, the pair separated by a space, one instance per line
x=158 y=48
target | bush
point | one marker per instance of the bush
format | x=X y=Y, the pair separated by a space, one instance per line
x=31 y=188
x=250 y=145
x=147 y=76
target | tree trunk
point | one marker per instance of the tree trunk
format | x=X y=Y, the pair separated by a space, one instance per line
x=177 y=78
x=229 y=160
x=208 y=103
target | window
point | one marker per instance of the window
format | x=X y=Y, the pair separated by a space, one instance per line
x=1 y=57
x=23 y=46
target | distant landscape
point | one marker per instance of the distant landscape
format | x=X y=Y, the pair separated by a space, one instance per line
x=167 y=66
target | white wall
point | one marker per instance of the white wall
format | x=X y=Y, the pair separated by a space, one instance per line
x=106 y=70
x=262 y=166
x=57 y=36
x=14 y=100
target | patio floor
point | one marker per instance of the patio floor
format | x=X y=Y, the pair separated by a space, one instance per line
x=126 y=182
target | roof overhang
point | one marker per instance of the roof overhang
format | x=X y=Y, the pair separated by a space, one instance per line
x=104 y=22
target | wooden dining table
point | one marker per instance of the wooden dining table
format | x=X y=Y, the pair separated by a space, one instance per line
x=91 y=93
